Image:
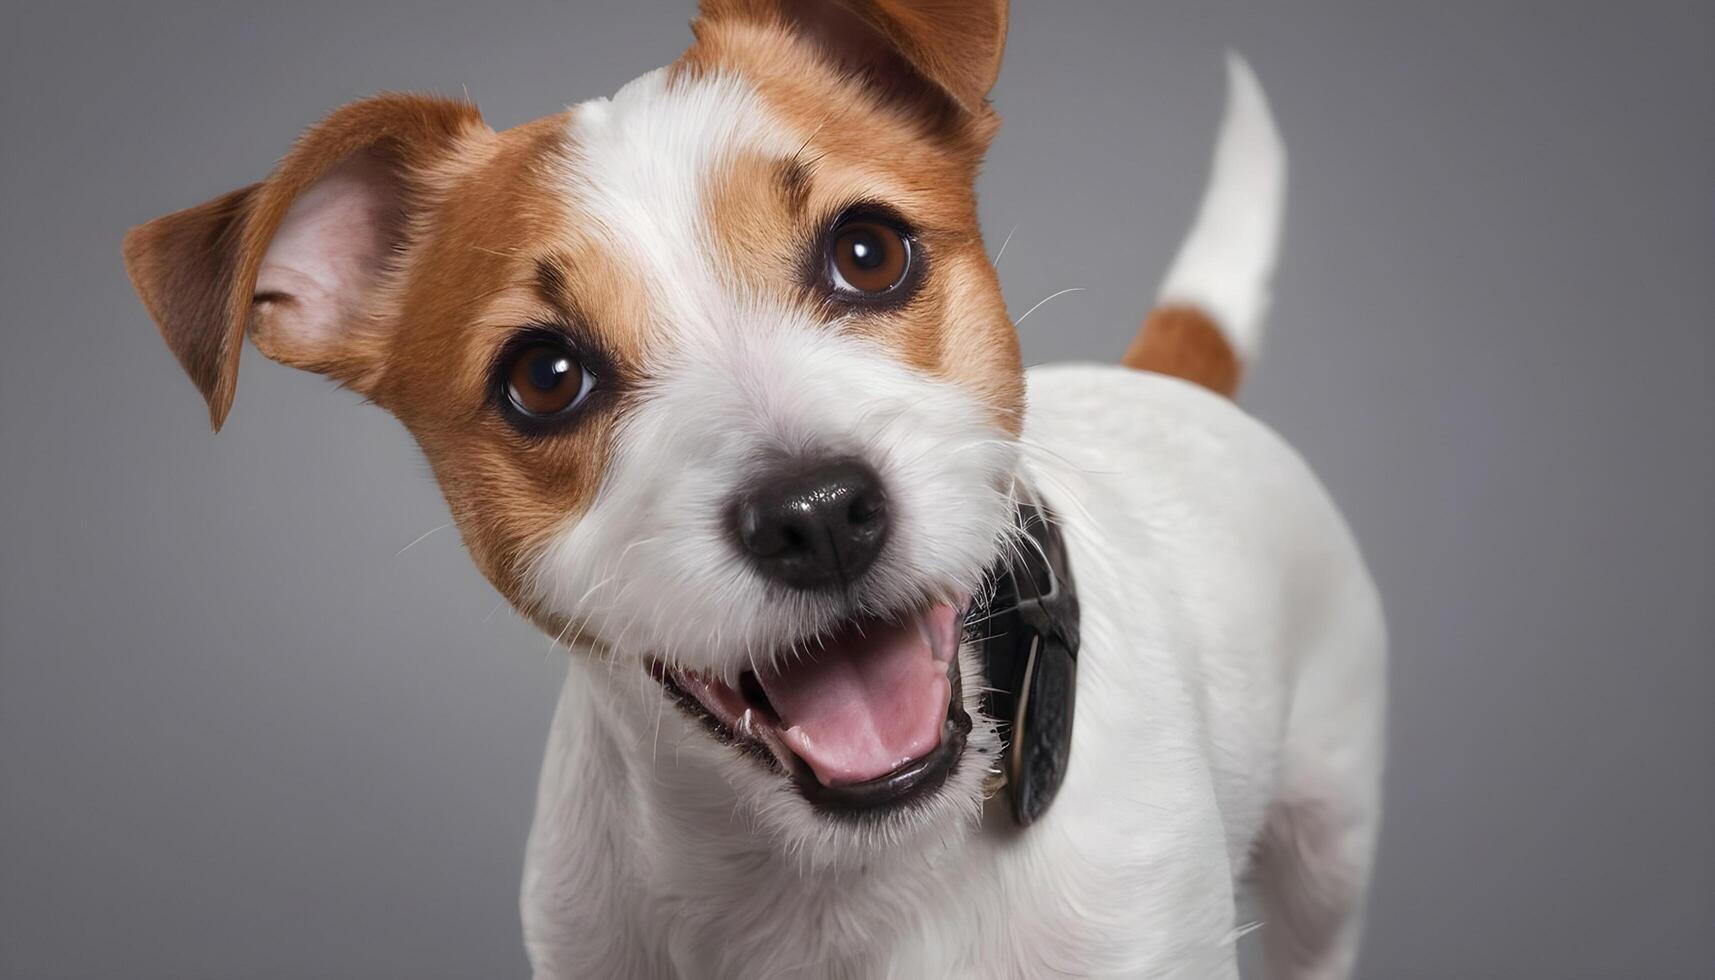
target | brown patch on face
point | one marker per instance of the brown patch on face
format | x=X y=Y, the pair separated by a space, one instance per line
x=793 y=177
x=503 y=254
x=769 y=215
x=1183 y=342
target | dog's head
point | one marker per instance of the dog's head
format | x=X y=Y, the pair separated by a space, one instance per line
x=715 y=374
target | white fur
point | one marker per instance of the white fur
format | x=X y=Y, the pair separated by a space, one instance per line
x=1229 y=688
x=642 y=160
x=735 y=378
x=1232 y=656
x=1224 y=265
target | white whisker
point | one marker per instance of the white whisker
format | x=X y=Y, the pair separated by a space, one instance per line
x=1045 y=299
x=420 y=537
x=996 y=260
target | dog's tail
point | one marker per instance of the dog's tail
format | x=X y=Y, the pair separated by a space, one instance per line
x=1208 y=317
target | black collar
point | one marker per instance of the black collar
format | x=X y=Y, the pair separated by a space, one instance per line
x=1029 y=643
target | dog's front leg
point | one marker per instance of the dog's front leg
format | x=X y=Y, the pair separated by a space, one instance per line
x=579 y=911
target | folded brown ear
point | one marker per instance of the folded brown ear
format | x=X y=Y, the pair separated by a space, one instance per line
x=955 y=45
x=337 y=203
x=182 y=267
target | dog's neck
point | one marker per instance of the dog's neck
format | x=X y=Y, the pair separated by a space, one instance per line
x=693 y=856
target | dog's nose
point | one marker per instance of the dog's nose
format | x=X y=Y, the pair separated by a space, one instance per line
x=813 y=525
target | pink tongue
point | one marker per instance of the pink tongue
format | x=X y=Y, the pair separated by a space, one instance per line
x=867 y=702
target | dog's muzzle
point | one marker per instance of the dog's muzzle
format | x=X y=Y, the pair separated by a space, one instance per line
x=871 y=716
x=864 y=718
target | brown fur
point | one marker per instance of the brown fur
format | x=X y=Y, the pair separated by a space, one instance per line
x=1183 y=342
x=473 y=279
x=860 y=146
x=954 y=45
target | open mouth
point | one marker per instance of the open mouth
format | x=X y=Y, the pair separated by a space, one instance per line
x=868 y=718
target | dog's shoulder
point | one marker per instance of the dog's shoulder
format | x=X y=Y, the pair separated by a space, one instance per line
x=1179 y=496
x=1211 y=562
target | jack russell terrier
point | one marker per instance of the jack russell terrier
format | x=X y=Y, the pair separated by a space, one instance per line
x=891 y=658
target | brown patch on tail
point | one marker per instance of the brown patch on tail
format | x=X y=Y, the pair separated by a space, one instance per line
x=1183 y=342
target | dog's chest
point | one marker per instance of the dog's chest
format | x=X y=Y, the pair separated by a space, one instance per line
x=980 y=915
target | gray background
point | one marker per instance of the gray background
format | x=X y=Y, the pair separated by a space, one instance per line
x=242 y=735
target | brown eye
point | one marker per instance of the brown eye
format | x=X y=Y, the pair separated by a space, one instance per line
x=546 y=379
x=869 y=258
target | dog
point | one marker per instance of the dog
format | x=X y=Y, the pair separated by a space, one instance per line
x=889 y=657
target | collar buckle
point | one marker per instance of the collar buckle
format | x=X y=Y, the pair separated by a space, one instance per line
x=1030 y=659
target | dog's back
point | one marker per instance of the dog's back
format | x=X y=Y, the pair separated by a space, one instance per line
x=1232 y=679
x=1229 y=598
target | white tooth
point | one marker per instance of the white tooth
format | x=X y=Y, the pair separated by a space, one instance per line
x=744 y=723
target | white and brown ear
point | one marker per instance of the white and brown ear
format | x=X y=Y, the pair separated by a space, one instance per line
x=910 y=49
x=297 y=259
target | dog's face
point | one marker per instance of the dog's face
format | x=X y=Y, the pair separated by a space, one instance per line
x=715 y=375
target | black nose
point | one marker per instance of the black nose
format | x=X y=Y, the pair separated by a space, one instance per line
x=813 y=524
